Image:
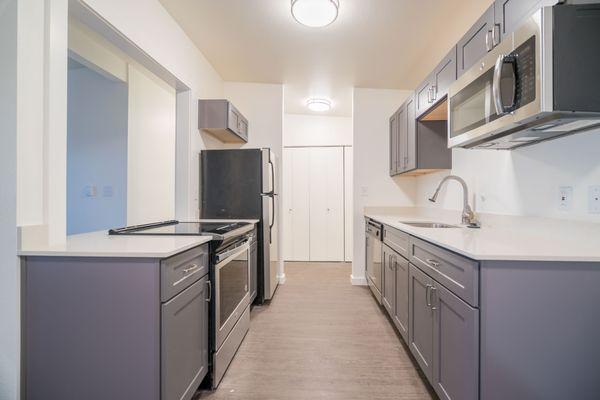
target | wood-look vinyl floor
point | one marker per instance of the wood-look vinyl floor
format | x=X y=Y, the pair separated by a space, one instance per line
x=321 y=338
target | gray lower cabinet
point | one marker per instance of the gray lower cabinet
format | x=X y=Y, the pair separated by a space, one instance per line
x=389 y=280
x=395 y=289
x=100 y=328
x=184 y=342
x=479 y=39
x=420 y=323
x=455 y=346
x=400 y=316
x=511 y=13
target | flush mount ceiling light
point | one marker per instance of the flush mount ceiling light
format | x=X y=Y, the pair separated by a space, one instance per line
x=315 y=13
x=319 y=105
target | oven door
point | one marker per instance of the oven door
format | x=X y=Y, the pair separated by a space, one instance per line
x=501 y=92
x=232 y=286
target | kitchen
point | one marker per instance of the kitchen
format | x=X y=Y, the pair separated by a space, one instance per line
x=386 y=143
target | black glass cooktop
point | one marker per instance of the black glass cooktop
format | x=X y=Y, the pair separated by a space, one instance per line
x=180 y=228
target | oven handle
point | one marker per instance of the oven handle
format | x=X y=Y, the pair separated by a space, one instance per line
x=225 y=258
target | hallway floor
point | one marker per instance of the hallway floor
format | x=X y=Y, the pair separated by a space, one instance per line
x=321 y=338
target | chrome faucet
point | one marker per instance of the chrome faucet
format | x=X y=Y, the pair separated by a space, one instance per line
x=469 y=218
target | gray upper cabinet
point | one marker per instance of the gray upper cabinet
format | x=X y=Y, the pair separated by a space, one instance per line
x=394 y=144
x=411 y=135
x=402 y=139
x=423 y=95
x=481 y=38
x=455 y=346
x=184 y=342
x=221 y=119
x=420 y=325
x=444 y=75
x=510 y=13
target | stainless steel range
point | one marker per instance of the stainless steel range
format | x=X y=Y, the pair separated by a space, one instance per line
x=232 y=280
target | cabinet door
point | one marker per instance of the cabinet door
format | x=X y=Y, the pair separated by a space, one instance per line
x=411 y=135
x=184 y=342
x=402 y=126
x=476 y=42
x=401 y=308
x=243 y=127
x=423 y=95
x=420 y=325
x=296 y=169
x=393 y=144
x=511 y=13
x=232 y=119
x=389 y=281
x=326 y=204
x=444 y=75
x=455 y=347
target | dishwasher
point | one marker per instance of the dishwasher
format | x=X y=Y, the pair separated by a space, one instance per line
x=374 y=248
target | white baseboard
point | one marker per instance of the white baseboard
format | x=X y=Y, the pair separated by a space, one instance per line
x=281 y=279
x=358 y=281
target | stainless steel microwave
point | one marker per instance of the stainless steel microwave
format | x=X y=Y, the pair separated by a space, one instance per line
x=539 y=83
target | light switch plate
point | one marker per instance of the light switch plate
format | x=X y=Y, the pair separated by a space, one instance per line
x=565 y=198
x=594 y=199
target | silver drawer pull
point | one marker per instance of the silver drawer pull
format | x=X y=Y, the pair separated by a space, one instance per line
x=427 y=299
x=190 y=271
x=433 y=263
x=191 y=268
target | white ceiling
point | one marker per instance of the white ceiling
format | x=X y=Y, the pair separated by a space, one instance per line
x=374 y=43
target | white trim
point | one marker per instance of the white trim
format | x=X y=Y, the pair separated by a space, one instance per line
x=358 y=280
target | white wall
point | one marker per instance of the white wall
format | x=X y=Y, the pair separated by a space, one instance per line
x=315 y=130
x=372 y=184
x=262 y=104
x=9 y=267
x=524 y=181
x=150 y=149
x=96 y=152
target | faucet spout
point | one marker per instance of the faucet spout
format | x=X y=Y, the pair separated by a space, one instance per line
x=469 y=218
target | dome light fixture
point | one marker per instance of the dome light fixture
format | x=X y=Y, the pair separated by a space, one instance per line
x=318 y=105
x=315 y=13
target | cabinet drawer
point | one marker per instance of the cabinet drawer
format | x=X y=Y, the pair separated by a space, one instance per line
x=459 y=274
x=397 y=240
x=182 y=270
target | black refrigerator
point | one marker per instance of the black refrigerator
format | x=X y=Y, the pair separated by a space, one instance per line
x=242 y=184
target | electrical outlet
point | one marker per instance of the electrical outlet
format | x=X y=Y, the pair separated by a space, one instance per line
x=594 y=199
x=565 y=198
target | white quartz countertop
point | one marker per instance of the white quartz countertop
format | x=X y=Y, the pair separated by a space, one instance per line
x=500 y=237
x=101 y=244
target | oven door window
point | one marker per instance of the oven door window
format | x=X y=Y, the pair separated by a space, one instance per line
x=473 y=106
x=233 y=286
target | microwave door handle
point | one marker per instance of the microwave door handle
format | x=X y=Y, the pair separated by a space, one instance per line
x=496 y=90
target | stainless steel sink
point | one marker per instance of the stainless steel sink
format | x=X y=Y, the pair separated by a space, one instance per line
x=429 y=224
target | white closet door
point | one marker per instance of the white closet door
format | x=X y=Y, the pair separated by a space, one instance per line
x=327 y=204
x=348 y=171
x=297 y=204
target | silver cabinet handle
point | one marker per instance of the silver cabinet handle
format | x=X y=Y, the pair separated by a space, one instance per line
x=427 y=299
x=434 y=93
x=488 y=42
x=431 y=292
x=433 y=263
x=191 y=268
x=209 y=285
x=429 y=95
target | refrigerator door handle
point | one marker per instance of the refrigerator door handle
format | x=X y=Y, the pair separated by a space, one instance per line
x=272 y=175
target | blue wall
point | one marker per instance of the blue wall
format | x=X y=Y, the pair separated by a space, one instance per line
x=96 y=151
